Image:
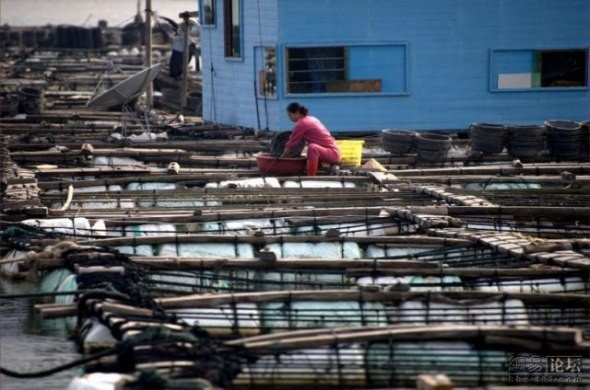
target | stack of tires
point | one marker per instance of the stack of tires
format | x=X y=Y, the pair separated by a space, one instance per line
x=398 y=142
x=8 y=105
x=564 y=139
x=433 y=147
x=525 y=141
x=488 y=138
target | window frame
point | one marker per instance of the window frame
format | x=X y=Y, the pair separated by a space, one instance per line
x=228 y=36
x=493 y=72
x=405 y=91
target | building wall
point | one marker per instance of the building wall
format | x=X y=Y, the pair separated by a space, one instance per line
x=448 y=46
x=228 y=90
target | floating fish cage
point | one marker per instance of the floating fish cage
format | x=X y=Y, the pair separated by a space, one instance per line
x=385 y=361
x=387 y=331
x=160 y=248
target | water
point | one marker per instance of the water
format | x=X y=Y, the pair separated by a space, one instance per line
x=29 y=344
x=85 y=12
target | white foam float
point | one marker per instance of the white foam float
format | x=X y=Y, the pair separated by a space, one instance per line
x=109 y=161
x=10 y=262
x=245 y=226
x=98 y=381
x=376 y=251
x=455 y=359
x=547 y=285
x=212 y=250
x=257 y=182
x=320 y=250
x=317 y=184
x=508 y=312
x=319 y=314
x=312 y=367
x=78 y=226
x=222 y=320
x=150 y=229
x=96 y=335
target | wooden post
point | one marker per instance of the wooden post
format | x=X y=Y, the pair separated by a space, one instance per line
x=148 y=50
x=184 y=88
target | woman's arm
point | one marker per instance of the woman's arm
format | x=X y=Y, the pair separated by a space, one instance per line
x=297 y=135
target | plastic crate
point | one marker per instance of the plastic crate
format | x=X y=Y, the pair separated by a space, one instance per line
x=351 y=151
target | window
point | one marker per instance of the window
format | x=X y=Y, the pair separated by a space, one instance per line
x=312 y=69
x=267 y=72
x=539 y=69
x=232 y=28
x=370 y=68
x=562 y=68
x=208 y=13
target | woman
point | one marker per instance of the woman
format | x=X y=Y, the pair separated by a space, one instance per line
x=321 y=146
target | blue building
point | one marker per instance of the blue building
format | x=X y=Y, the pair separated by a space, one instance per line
x=405 y=64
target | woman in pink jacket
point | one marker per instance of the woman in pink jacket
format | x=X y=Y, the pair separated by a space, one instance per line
x=321 y=146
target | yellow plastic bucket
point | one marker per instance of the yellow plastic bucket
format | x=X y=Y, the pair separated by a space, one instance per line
x=351 y=151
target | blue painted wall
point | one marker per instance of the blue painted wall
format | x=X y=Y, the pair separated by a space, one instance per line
x=228 y=89
x=448 y=57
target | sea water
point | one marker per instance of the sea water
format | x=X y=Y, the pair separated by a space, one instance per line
x=30 y=344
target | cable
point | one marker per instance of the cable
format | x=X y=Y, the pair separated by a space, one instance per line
x=263 y=91
x=213 y=111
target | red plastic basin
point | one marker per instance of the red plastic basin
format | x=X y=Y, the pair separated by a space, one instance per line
x=288 y=165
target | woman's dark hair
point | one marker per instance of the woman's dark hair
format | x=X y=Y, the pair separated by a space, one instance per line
x=296 y=107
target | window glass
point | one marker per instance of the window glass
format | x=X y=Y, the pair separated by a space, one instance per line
x=232 y=28
x=379 y=68
x=562 y=68
x=208 y=12
x=312 y=69
x=267 y=74
x=534 y=69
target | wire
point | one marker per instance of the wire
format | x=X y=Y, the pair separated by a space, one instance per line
x=213 y=110
x=263 y=91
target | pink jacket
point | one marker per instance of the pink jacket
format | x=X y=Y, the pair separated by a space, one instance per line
x=312 y=131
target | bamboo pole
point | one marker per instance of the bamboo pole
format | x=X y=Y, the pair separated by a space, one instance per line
x=502 y=170
x=57 y=311
x=198 y=300
x=552 y=272
x=451 y=180
x=212 y=238
x=185 y=56
x=285 y=264
x=304 y=333
x=560 y=335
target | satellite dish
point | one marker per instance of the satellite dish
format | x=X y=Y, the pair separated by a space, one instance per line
x=125 y=91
